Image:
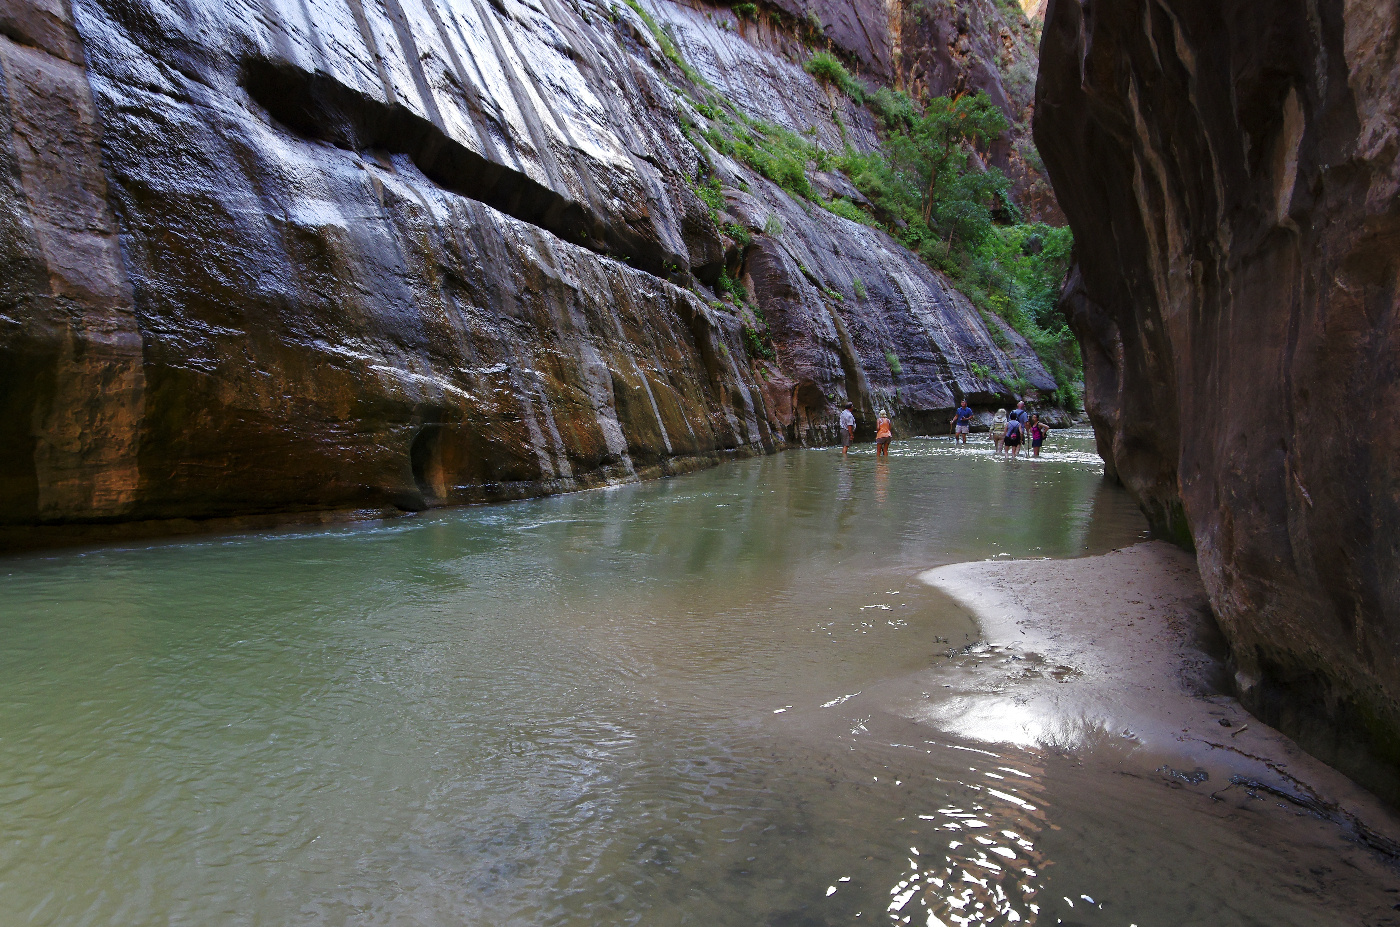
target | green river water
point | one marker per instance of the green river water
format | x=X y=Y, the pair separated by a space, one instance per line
x=639 y=705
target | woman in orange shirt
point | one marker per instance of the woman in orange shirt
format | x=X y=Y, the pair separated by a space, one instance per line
x=883 y=433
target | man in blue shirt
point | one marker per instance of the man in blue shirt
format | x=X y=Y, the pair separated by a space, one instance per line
x=962 y=422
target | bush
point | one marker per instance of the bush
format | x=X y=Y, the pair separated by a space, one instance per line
x=756 y=345
x=776 y=153
x=858 y=287
x=894 y=107
x=773 y=226
x=746 y=10
x=740 y=234
x=728 y=286
x=848 y=210
x=709 y=191
x=828 y=69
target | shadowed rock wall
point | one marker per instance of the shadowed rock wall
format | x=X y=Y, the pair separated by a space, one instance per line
x=267 y=256
x=1232 y=175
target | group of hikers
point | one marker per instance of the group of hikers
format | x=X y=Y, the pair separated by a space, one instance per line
x=1010 y=430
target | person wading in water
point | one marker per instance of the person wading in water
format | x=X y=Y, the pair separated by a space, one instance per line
x=884 y=432
x=848 y=427
x=1014 y=434
x=1038 y=433
x=998 y=431
x=962 y=422
x=1022 y=416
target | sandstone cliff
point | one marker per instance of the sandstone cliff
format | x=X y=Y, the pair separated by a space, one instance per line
x=264 y=256
x=1232 y=176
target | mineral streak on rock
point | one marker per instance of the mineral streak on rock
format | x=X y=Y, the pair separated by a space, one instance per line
x=1232 y=176
x=265 y=256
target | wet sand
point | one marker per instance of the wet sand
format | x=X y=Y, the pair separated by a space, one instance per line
x=1112 y=667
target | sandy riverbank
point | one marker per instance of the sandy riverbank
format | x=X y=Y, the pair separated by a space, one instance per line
x=1115 y=660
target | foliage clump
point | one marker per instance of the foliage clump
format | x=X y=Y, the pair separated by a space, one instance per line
x=746 y=10
x=740 y=234
x=758 y=341
x=828 y=69
x=779 y=154
x=712 y=196
x=848 y=210
x=733 y=289
x=894 y=107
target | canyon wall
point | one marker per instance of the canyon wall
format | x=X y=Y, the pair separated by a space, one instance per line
x=269 y=256
x=1231 y=172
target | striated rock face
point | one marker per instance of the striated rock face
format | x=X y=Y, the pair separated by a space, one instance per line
x=265 y=256
x=1232 y=176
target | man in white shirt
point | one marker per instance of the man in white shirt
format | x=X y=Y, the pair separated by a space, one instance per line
x=848 y=427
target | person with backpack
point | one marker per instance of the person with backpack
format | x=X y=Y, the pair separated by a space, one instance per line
x=1022 y=416
x=998 y=431
x=1014 y=433
x=1038 y=434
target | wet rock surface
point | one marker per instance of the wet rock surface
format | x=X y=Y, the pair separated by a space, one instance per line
x=1230 y=173
x=267 y=258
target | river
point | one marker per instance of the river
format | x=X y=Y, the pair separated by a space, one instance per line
x=639 y=705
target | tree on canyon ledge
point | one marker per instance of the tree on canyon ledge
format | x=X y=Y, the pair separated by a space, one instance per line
x=932 y=161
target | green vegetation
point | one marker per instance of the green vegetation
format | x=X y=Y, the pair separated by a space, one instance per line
x=712 y=195
x=732 y=288
x=773 y=226
x=828 y=69
x=929 y=180
x=858 y=287
x=757 y=340
x=779 y=154
x=757 y=345
x=894 y=107
x=740 y=234
x=980 y=371
x=848 y=210
x=746 y=10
